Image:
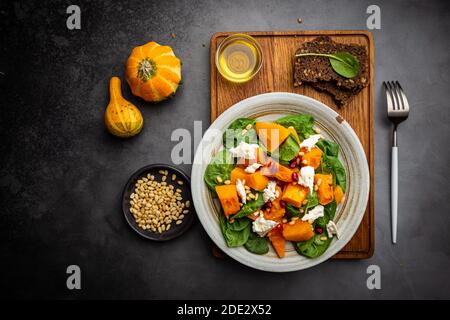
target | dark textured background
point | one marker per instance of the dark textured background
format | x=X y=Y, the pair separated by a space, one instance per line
x=62 y=175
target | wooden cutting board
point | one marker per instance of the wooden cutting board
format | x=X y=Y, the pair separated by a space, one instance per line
x=276 y=75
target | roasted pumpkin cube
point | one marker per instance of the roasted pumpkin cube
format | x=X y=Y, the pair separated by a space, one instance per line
x=285 y=174
x=325 y=190
x=312 y=158
x=271 y=134
x=257 y=181
x=254 y=180
x=270 y=169
x=238 y=173
x=298 y=231
x=228 y=199
x=295 y=194
x=276 y=212
x=278 y=242
x=338 y=194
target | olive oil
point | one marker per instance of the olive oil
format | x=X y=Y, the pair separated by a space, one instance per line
x=239 y=59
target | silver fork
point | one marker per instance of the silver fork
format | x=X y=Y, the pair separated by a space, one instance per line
x=398 y=111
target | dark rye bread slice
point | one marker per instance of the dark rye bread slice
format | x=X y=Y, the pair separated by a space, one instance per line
x=341 y=96
x=317 y=71
x=314 y=68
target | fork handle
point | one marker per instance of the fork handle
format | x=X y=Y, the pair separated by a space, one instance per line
x=394 y=192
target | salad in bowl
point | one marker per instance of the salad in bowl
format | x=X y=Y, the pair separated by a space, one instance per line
x=277 y=181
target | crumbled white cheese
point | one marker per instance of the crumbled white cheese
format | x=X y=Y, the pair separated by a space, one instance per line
x=306 y=177
x=269 y=193
x=310 y=142
x=245 y=150
x=253 y=167
x=262 y=226
x=332 y=229
x=314 y=213
x=241 y=190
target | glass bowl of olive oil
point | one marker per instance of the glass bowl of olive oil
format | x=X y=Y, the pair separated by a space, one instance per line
x=239 y=58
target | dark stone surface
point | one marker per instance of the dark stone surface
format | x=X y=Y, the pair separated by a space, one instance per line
x=62 y=175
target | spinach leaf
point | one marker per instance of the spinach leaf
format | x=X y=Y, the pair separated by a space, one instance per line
x=257 y=244
x=313 y=200
x=302 y=123
x=330 y=210
x=239 y=224
x=330 y=148
x=343 y=63
x=289 y=149
x=314 y=247
x=292 y=211
x=250 y=207
x=237 y=238
x=338 y=170
x=221 y=165
x=234 y=238
x=333 y=165
x=329 y=213
x=233 y=135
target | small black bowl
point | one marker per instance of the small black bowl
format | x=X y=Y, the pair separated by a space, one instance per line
x=176 y=230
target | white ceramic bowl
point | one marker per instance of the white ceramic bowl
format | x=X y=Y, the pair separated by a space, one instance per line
x=269 y=107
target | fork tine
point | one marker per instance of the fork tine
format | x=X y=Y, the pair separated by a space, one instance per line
x=403 y=96
x=390 y=105
x=398 y=96
x=392 y=96
x=398 y=102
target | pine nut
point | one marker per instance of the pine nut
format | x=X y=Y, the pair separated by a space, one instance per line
x=154 y=204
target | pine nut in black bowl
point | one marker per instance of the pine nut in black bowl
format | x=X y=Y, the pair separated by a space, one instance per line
x=157 y=202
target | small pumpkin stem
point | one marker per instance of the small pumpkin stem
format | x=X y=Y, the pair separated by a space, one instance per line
x=146 y=69
x=115 y=91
